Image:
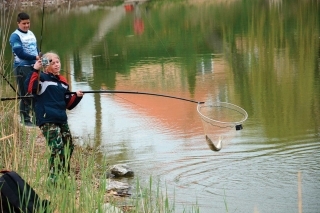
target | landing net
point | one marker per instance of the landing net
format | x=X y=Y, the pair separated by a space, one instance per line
x=220 y=121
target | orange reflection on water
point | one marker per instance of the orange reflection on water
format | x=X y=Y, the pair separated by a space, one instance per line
x=170 y=113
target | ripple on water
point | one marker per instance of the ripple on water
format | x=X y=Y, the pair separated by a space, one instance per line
x=251 y=171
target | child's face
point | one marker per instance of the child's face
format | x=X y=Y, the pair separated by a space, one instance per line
x=24 y=25
x=54 y=66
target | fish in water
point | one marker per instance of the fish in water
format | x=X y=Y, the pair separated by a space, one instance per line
x=212 y=146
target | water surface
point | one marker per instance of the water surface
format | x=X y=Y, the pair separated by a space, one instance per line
x=260 y=55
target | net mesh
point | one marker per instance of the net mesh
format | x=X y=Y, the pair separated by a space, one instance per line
x=220 y=121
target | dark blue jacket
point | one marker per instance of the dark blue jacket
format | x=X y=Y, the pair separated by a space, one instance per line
x=51 y=101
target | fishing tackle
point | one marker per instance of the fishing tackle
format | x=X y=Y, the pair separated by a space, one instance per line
x=42 y=24
x=44 y=1
x=4 y=77
x=207 y=113
x=114 y=91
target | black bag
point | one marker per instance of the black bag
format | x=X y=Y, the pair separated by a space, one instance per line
x=18 y=197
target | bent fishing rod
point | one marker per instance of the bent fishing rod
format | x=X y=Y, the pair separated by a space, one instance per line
x=115 y=91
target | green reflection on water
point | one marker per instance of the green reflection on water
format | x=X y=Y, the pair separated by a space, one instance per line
x=272 y=51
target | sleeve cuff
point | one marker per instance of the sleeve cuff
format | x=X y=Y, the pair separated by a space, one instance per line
x=34 y=70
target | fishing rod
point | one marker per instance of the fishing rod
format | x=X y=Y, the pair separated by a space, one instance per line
x=42 y=25
x=40 y=54
x=4 y=77
x=138 y=93
x=115 y=91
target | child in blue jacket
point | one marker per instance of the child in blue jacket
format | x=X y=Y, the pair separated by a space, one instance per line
x=51 y=101
x=25 y=52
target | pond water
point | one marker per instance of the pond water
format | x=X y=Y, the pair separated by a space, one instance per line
x=263 y=56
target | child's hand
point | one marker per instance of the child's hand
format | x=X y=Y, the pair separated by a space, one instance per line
x=37 y=65
x=79 y=93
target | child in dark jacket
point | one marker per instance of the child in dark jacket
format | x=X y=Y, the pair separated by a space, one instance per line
x=51 y=101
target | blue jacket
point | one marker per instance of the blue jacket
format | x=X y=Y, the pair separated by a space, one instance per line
x=51 y=101
x=24 y=48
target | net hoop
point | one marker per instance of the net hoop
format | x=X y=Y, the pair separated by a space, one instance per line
x=224 y=105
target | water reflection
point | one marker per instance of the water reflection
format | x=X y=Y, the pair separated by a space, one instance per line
x=206 y=51
x=168 y=134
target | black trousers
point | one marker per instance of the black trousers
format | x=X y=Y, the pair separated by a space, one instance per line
x=27 y=104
